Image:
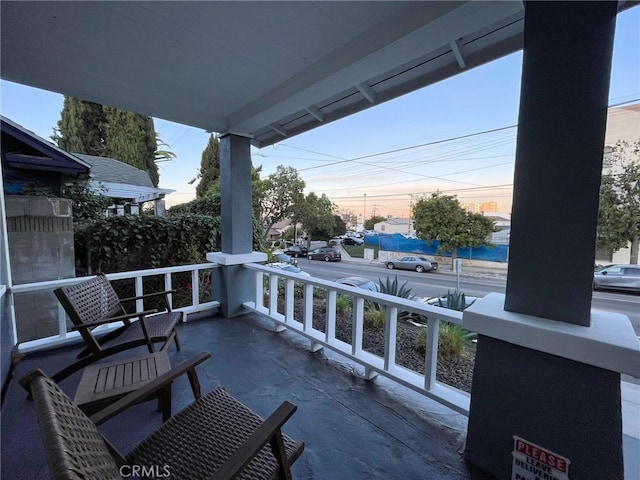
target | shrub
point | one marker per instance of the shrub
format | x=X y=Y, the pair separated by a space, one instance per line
x=136 y=242
x=374 y=318
x=452 y=341
x=343 y=303
x=298 y=287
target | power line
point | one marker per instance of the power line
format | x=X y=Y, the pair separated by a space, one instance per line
x=407 y=148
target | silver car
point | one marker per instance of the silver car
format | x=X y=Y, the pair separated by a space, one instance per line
x=412 y=262
x=618 y=277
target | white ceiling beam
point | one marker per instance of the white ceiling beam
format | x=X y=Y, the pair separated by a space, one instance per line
x=316 y=113
x=367 y=92
x=279 y=129
x=456 y=48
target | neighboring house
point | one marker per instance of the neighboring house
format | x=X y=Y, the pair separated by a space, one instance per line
x=395 y=225
x=33 y=165
x=276 y=230
x=128 y=186
x=39 y=225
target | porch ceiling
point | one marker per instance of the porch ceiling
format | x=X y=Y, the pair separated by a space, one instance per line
x=266 y=69
x=269 y=70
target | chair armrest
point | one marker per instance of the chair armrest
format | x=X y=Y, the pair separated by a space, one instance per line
x=119 y=318
x=265 y=433
x=147 y=295
x=149 y=389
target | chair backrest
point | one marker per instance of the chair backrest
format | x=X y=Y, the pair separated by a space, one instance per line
x=74 y=446
x=90 y=301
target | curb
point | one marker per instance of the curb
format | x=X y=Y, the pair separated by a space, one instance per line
x=466 y=271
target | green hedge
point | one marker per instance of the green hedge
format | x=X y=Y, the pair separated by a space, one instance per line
x=136 y=242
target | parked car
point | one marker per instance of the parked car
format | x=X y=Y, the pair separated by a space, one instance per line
x=328 y=254
x=287 y=267
x=296 y=251
x=284 y=258
x=352 y=241
x=618 y=277
x=412 y=262
x=359 y=282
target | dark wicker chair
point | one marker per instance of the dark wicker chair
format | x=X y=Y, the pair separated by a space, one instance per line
x=94 y=302
x=215 y=437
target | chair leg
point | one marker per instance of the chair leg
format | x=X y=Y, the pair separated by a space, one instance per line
x=175 y=339
x=165 y=400
x=280 y=452
x=195 y=383
x=173 y=336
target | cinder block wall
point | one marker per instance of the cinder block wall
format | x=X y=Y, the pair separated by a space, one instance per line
x=40 y=233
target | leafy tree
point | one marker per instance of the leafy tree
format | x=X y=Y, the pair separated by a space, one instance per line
x=131 y=138
x=280 y=194
x=440 y=217
x=348 y=217
x=209 y=172
x=318 y=218
x=340 y=227
x=619 y=213
x=88 y=205
x=210 y=206
x=81 y=127
x=370 y=223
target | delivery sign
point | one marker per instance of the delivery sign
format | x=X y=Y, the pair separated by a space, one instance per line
x=533 y=462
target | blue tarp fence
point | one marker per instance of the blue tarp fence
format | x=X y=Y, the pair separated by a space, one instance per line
x=399 y=243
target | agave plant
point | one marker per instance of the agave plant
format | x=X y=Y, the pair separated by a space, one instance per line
x=455 y=301
x=391 y=287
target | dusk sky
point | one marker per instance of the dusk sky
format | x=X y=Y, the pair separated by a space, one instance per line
x=434 y=137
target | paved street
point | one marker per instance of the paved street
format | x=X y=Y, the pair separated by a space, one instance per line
x=474 y=281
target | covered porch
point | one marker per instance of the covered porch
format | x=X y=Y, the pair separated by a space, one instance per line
x=352 y=427
x=540 y=348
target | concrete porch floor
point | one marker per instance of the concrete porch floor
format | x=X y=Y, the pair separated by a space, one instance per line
x=352 y=428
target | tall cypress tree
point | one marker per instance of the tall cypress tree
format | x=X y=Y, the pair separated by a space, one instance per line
x=81 y=127
x=131 y=138
x=209 y=173
x=94 y=129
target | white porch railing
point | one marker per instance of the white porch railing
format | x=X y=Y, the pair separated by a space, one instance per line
x=425 y=384
x=65 y=337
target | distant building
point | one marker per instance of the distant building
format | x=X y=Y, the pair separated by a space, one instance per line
x=276 y=230
x=502 y=223
x=623 y=123
x=395 y=225
x=127 y=186
x=485 y=207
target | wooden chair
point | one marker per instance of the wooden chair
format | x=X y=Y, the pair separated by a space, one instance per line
x=94 y=302
x=216 y=437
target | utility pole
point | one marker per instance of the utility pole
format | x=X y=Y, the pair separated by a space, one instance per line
x=364 y=211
